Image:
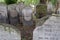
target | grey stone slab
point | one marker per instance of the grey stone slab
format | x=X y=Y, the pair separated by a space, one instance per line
x=8 y=32
x=19 y=8
x=12 y=10
x=13 y=15
x=3 y=13
x=27 y=16
x=50 y=30
x=14 y=21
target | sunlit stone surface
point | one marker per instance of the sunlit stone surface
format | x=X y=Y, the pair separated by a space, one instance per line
x=8 y=32
x=50 y=30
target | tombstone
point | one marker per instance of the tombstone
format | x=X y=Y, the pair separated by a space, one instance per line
x=19 y=8
x=50 y=30
x=9 y=32
x=27 y=16
x=58 y=7
x=58 y=0
x=41 y=10
x=13 y=15
x=50 y=8
x=3 y=13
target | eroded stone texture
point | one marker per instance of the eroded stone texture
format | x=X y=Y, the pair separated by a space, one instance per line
x=3 y=13
x=8 y=32
x=13 y=15
x=50 y=30
x=27 y=16
x=19 y=8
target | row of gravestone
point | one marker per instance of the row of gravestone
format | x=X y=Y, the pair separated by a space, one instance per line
x=10 y=13
x=50 y=30
x=13 y=13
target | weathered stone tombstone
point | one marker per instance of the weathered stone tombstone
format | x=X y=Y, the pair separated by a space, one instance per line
x=41 y=10
x=58 y=7
x=13 y=15
x=3 y=13
x=27 y=16
x=19 y=8
x=50 y=30
x=50 y=8
x=8 y=32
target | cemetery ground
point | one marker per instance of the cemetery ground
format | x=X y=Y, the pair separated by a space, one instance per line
x=26 y=32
